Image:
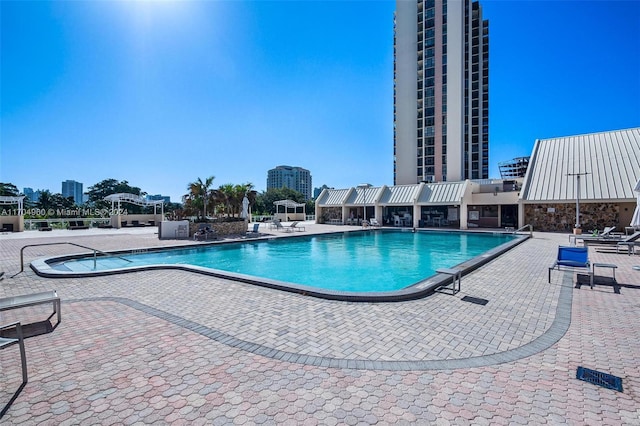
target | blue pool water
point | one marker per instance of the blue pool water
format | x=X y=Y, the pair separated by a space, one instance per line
x=353 y=262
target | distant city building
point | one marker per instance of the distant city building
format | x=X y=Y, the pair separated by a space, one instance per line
x=295 y=178
x=159 y=197
x=33 y=196
x=317 y=191
x=441 y=91
x=514 y=168
x=71 y=188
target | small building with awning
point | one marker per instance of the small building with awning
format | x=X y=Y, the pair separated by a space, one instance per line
x=446 y=204
x=12 y=218
x=289 y=210
x=593 y=174
x=120 y=218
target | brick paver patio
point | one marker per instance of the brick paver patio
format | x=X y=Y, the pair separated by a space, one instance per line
x=167 y=347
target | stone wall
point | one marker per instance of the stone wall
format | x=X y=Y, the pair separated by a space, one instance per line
x=330 y=213
x=561 y=217
x=222 y=229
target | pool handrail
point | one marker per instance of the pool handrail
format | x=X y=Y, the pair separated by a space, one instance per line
x=525 y=227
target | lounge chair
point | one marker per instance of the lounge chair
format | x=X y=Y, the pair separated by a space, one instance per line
x=278 y=226
x=275 y=224
x=44 y=226
x=596 y=236
x=77 y=225
x=204 y=232
x=629 y=243
x=607 y=230
x=294 y=226
x=572 y=257
x=8 y=341
x=374 y=222
x=256 y=226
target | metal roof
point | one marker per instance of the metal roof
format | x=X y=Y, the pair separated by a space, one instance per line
x=400 y=194
x=611 y=161
x=332 y=197
x=357 y=196
x=288 y=203
x=442 y=193
x=6 y=199
x=133 y=199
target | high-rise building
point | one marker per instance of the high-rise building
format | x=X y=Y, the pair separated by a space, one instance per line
x=33 y=196
x=71 y=188
x=317 y=191
x=441 y=91
x=514 y=168
x=158 y=197
x=295 y=178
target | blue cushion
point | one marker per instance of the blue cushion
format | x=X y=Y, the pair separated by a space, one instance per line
x=573 y=256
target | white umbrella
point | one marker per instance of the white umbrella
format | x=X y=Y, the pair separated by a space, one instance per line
x=245 y=208
x=635 y=220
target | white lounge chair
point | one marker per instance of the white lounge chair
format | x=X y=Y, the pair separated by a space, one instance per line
x=296 y=227
x=279 y=227
x=275 y=224
x=606 y=236
x=629 y=243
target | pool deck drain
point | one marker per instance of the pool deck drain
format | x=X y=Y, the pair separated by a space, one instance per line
x=598 y=378
x=476 y=300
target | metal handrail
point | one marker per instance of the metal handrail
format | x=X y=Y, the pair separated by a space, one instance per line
x=523 y=228
x=95 y=253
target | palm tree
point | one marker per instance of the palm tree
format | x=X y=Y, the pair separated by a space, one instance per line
x=245 y=190
x=226 y=196
x=199 y=195
x=45 y=202
x=232 y=196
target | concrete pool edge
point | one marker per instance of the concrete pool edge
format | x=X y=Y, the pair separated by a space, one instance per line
x=416 y=291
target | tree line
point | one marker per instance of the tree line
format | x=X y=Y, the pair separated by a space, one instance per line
x=201 y=200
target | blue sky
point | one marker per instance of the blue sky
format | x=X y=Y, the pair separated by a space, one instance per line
x=161 y=93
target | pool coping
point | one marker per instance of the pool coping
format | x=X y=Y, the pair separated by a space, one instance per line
x=416 y=291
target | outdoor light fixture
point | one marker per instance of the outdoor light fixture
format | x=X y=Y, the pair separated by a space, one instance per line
x=577 y=175
x=364 y=186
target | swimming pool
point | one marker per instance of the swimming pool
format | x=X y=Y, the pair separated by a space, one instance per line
x=372 y=262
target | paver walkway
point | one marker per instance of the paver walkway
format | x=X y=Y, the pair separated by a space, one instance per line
x=168 y=347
